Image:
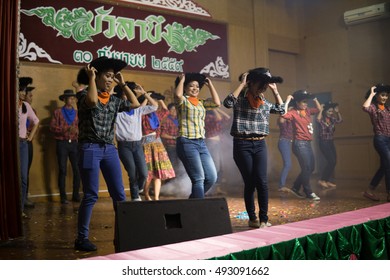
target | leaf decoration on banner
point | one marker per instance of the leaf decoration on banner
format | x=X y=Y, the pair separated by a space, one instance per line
x=187 y=39
x=31 y=51
x=75 y=23
x=216 y=69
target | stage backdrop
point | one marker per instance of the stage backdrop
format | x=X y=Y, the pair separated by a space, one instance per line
x=75 y=32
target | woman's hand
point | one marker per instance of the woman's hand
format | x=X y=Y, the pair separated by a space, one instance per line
x=243 y=78
x=118 y=78
x=91 y=72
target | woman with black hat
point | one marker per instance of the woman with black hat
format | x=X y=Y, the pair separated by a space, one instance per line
x=379 y=112
x=25 y=113
x=64 y=126
x=300 y=117
x=97 y=110
x=327 y=119
x=250 y=128
x=190 y=145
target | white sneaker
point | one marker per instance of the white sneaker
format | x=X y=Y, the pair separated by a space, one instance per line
x=264 y=225
x=136 y=199
x=314 y=197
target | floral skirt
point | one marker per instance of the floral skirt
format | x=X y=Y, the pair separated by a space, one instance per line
x=157 y=160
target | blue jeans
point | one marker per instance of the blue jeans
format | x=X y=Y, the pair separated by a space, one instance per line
x=304 y=153
x=93 y=158
x=251 y=159
x=198 y=163
x=23 y=155
x=131 y=153
x=64 y=151
x=284 y=146
x=329 y=151
x=382 y=146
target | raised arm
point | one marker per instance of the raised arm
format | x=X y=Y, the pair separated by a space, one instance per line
x=92 y=96
x=118 y=78
x=213 y=92
x=241 y=86
x=278 y=98
x=368 y=101
x=319 y=116
x=179 y=91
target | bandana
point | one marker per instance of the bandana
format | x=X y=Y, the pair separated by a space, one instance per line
x=302 y=113
x=255 y=102
x=104 y=97
x=69 y=114
x=153 y=120
x=193 y=100
x=174 y=120
x=130 y=113
x=381 y=107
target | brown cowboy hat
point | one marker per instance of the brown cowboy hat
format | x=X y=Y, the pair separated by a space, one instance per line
x=67 y=93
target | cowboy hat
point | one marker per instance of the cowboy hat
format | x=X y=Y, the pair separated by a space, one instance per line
x=302 y=94
x=190 y=77
x=379 y=88
x=100 y=64
x=67 y=93
x=263 y=75
x=24 y=82
x=329 y=105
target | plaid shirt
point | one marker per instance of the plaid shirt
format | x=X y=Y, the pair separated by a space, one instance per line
x=380 y=119
x=61 y=129
x=191 y=118
x=96 y=124
x=248 y=121
x=326 y=130
x=146 y=127
x=302 y=125
x=169 y=127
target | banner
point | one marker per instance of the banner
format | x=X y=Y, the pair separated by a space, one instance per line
x=75 y=32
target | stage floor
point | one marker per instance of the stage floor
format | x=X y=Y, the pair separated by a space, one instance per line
x=51 y=227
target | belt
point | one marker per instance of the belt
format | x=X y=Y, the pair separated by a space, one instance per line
x=250 y=138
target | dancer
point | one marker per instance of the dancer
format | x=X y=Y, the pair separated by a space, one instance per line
x=25 y=113
x=284 y=146
x=159 y=165
x=328 y=117
x=300 y=117
x=128 y=134
x=97 y=110
x=64 y=126
x=190 y=145
x=250 y=128
x=379 y=112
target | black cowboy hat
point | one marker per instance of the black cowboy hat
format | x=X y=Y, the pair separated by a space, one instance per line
x=156 y=95
x=190 y=77
x=302 y=94
x=329 y=105
x=379 y=89
x=24 y=82
x=261 y=74
x=67 y=93
x=100 y=64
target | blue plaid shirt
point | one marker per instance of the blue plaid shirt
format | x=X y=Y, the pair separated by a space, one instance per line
x=249 y=122
x=96 y=124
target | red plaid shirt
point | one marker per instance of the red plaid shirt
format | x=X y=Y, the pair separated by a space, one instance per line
x=61 y=129
x=170 y=128
x=380 y=119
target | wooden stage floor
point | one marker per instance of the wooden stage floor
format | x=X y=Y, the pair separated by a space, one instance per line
x=50 y=230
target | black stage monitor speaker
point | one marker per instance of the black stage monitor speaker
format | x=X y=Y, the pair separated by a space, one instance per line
x=143 y=224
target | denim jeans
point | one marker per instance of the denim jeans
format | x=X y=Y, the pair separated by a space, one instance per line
x=131 y=153
x=198 y=163
x=329 y=151
x=251 y=159
x=284 y=146
x=94 y=157
x=64 y=151
x=23 y=156
x=382 y=146
x=304 y=153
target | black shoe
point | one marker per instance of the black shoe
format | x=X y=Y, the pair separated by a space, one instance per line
x=296 y=193
x=29 y=204
x=84 y=245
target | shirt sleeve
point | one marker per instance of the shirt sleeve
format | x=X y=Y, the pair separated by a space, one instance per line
x=31 y=115
x=230 y=101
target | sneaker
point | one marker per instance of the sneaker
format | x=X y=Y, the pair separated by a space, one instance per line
x=254 y=223
x=84 y=245
x=331 y=185
x=372 y=196
x=284 y=190
x=323 y=184
x=24 y=215
x=136 y=199
x=296 y=193
x=264 y=225
x=314 y=197
x=141 y=191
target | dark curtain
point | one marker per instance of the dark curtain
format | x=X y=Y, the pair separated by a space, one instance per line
x=10 y=214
